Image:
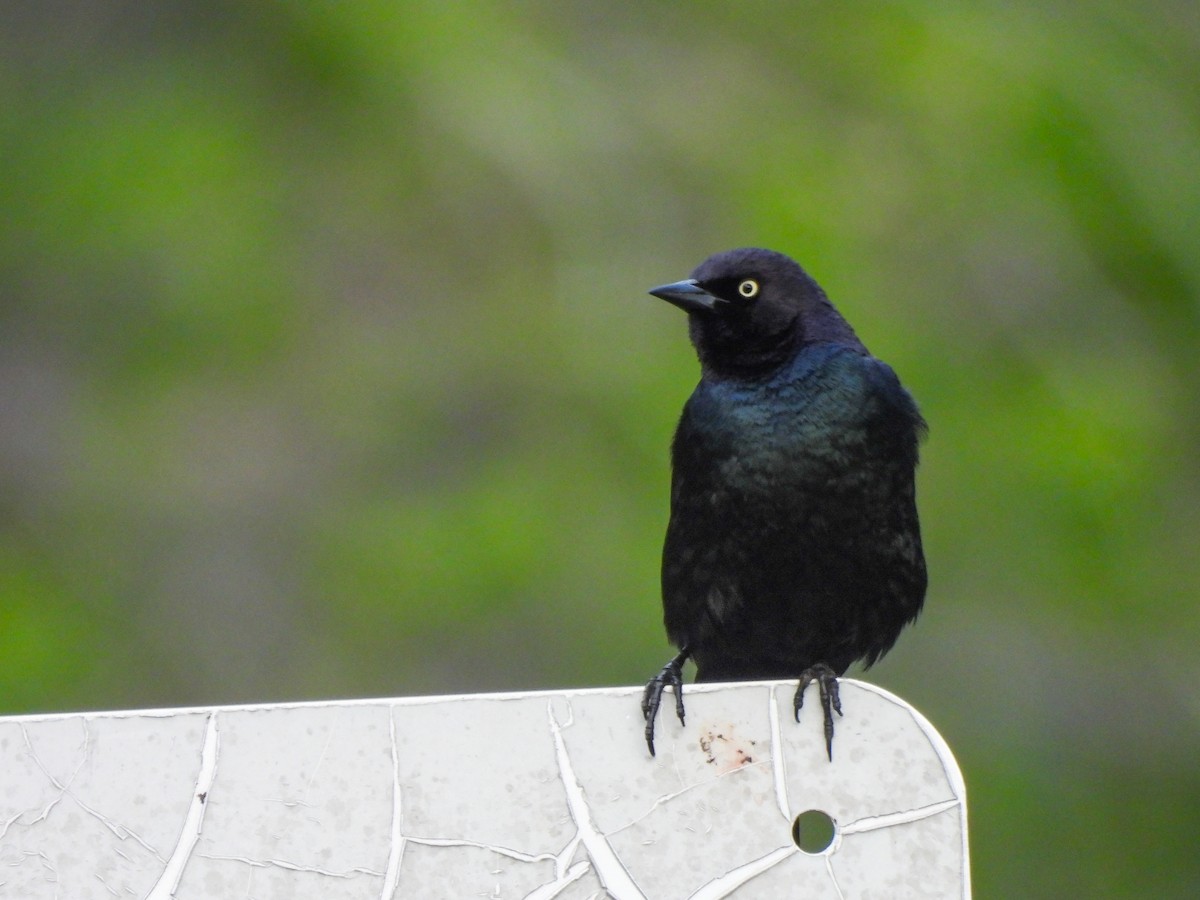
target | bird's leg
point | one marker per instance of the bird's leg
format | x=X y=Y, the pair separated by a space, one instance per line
x=672 y=675
x=827 y=683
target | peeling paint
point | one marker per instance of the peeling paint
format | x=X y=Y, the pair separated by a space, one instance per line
x=537 y=796
x=613 y=874
x=168 y=882
x=396 y=844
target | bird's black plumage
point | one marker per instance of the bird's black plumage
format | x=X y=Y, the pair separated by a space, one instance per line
x=793 y=548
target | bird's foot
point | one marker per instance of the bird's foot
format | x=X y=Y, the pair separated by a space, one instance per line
x=827 y=683
x=671 y=675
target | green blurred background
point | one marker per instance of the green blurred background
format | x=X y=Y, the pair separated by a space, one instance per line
x=327 y=367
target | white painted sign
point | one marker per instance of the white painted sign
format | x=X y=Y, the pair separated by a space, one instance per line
x=536 y=795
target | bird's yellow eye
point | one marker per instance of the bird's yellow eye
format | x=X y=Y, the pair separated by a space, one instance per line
x=748 y=288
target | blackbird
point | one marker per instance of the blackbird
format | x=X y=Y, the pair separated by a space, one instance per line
x=793 y=548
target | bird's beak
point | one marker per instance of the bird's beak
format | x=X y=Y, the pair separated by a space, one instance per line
x=687 y=295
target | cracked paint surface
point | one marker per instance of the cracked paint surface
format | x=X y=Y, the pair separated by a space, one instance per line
x=538 y=796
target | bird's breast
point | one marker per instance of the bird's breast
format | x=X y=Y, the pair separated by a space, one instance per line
x=775 y=434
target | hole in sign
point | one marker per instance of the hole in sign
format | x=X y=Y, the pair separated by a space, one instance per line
x=813 y=831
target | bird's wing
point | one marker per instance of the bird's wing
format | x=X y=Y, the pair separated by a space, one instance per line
x=692 y=565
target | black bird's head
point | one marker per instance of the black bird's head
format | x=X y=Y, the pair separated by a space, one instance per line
x=751 y=310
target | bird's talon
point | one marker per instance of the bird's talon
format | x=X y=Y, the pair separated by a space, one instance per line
x=670 y=676
x=827 y=686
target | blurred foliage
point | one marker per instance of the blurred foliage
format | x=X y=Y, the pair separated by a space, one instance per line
x=327 y=368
